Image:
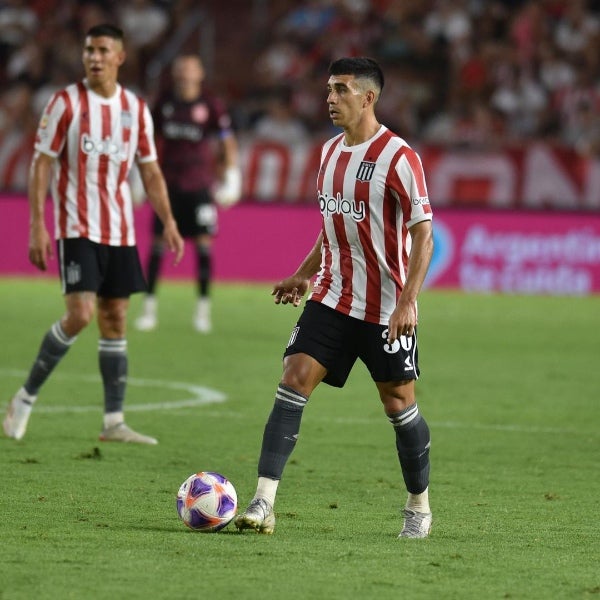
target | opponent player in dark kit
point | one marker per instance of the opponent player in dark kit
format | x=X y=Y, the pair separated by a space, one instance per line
x=199 y=156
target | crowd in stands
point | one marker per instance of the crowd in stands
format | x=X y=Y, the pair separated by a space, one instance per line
x=458 y=72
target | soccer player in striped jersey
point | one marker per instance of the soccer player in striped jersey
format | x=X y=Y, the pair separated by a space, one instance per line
x=370 y=260
x=88 y=138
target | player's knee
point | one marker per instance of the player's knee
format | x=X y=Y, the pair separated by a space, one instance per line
x=302 y=373
x=77 y=318
x=112 y=319
x=397 y=396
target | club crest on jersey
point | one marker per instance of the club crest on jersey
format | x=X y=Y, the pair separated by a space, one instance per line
x=126 y=119
x=336 y=205
x=199 y=113
x=365 y=171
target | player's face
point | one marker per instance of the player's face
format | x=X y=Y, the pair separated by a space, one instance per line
x=102 y=57
x=188 y=74
x=345 y=99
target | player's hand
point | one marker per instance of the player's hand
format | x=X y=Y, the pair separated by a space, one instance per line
x=290 y=290
x=40 y=246
x=402 y=321
x=173 y=240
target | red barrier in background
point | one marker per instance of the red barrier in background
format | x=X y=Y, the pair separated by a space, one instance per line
x=531 y=176
x=476 y=250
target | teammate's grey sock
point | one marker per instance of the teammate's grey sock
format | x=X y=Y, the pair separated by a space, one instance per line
x=54 y=346
x=112 y=356
x=281 y=432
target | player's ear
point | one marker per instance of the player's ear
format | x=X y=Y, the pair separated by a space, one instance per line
x=370 y=98
x=122 y=57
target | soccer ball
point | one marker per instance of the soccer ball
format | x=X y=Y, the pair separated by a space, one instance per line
x=206 y=501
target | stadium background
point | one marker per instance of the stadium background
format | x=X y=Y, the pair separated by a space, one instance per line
x=501 y=98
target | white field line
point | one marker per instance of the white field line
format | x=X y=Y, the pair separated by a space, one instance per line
x=198 y=395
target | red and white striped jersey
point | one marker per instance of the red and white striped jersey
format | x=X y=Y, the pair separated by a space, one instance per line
x=369 y=196
x=95 y=141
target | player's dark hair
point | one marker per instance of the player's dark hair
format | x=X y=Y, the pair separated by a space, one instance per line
x=359 y=66
x=106 y=30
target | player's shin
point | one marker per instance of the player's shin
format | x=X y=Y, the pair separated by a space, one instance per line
x=279 y=438
x=412 y=442
x=112 y=356
x=54 y=346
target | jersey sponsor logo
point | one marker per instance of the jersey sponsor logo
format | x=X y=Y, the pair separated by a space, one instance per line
x=365 y=171
x=330 y=205
x=423 y=200
x=182 y=131
x=97 y=147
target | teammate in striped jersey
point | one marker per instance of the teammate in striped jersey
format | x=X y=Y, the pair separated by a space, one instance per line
x=88 y=138
x=370 y=260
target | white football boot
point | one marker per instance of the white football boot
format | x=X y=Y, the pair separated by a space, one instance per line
x=123 y=433
x=202 y=322
x=17 y=414
x=148 y=320
x=258 y=516
x=416 y=524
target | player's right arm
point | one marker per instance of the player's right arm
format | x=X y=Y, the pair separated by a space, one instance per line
x=158 y=196
x=40 y=244
x=291 y=289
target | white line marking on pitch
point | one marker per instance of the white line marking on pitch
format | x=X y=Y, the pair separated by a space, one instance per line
x=200 y=395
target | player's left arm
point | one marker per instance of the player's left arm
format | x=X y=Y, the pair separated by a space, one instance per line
x=404 y=318
x=156 y=189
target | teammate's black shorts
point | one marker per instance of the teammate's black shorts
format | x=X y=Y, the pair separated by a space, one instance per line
x=110 y=271
x=194 y=212
x=336 y=341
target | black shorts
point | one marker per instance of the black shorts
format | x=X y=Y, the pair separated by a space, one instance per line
x=336 y=341
x=110 y=271
x=194 y=212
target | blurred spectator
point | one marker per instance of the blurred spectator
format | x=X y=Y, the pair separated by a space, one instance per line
x=577 y=32
x=17 y=23
x=457 y=68
x=585 y=131
x=17 y=131
x=522 y=100
x=280 y=123
x=143 y=22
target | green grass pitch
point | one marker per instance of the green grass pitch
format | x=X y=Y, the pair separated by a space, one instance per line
x=510 y=386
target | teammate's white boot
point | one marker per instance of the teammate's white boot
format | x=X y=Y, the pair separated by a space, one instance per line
x=17 y=414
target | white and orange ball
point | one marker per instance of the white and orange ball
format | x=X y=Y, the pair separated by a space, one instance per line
x=206 y=501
